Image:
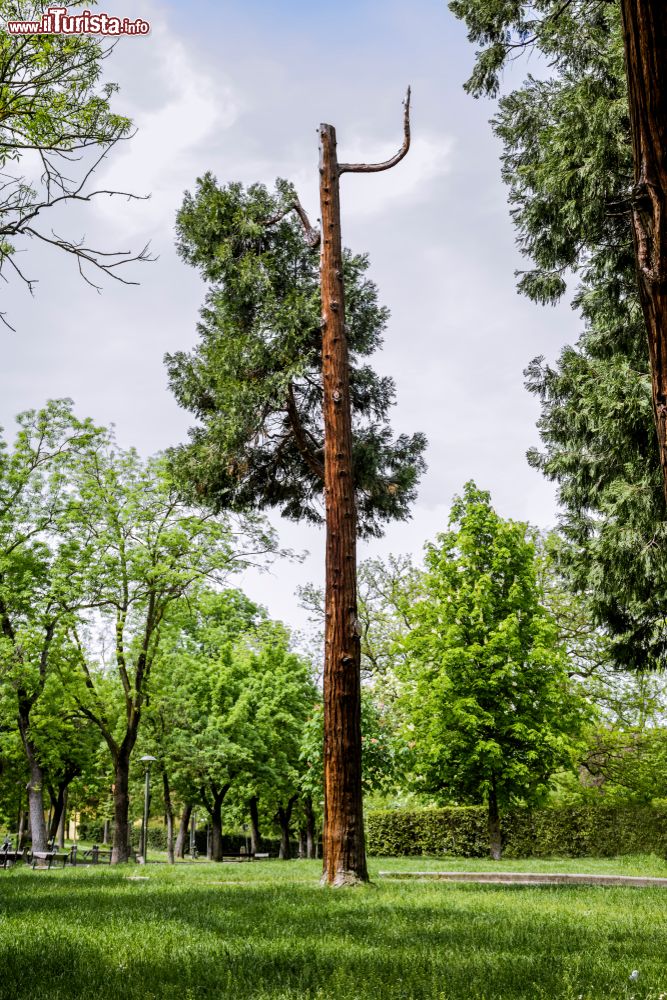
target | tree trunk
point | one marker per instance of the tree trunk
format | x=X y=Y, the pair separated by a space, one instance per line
x=255 y=835
x=310 y=827
x=35 y=785
x=284 y=817
x=105 y=832
x=169 y=813
x=58 y=808
x=343 y=837
x=182 y=836
x=120 y=850
x=62 y=825
x=216 y=832
x=36 y=806
x=645 y=37
x=495 y=836
x=215 y=812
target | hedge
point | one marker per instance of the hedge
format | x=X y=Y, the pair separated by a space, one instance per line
x=572 y=831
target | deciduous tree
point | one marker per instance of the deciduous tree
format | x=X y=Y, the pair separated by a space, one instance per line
x=493 y=713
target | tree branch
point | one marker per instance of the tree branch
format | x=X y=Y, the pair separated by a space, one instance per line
x=371 y=168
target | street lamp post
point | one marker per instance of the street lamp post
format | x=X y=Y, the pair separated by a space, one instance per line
x=147 y=760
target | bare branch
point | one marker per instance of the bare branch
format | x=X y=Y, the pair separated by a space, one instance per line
x=372 y=168
x=312 y=234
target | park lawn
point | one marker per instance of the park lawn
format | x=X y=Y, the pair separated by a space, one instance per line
x=268 y=931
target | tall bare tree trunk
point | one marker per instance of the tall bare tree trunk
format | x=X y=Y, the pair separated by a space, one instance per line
x=343 y=846
x=343 y=836
x=645 y=37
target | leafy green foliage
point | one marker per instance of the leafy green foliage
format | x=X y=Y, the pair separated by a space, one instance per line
x=581 y=830
x=568 y=163
x=254 y=380
x=490 y=704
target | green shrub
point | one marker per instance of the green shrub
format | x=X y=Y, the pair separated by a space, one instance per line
x=572 y=831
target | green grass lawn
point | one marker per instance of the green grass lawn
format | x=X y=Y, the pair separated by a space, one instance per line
x=268 y=931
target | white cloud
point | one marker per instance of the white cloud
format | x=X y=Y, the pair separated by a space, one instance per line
x=178 y=105
x=429 y=160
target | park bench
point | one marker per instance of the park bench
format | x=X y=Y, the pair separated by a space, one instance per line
x=239 y=856
x=96 y=856
x=46 y=859
x=10 y=857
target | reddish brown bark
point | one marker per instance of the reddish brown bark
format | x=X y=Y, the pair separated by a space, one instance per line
x=645 y=39
x=343 y=846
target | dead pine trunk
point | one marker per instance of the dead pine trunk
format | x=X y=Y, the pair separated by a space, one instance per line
x=183 y=827
x=495 y=833
x=645 y=40
x=343 y=847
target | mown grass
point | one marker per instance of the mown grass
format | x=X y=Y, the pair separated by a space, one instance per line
x=268 y=931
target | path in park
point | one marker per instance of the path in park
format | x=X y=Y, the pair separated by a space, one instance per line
x=533 y=878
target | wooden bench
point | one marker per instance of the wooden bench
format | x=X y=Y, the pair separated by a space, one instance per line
x=241 y=856
x=46 y=859
x=10 y=857
x=96 y=856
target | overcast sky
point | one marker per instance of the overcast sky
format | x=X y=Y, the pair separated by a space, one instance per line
x=239 y=88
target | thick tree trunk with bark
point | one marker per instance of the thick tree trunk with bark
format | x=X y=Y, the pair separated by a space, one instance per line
x=343 y=836
x=36 y=806
x=120 y=850
x=645 y=36
x=35 y=787
x=343 y=846
x=255 y=835
x=183 y=829
x=495 y=833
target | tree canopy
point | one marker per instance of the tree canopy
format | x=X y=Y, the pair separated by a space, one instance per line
x=492 y=711
x=254 y=380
